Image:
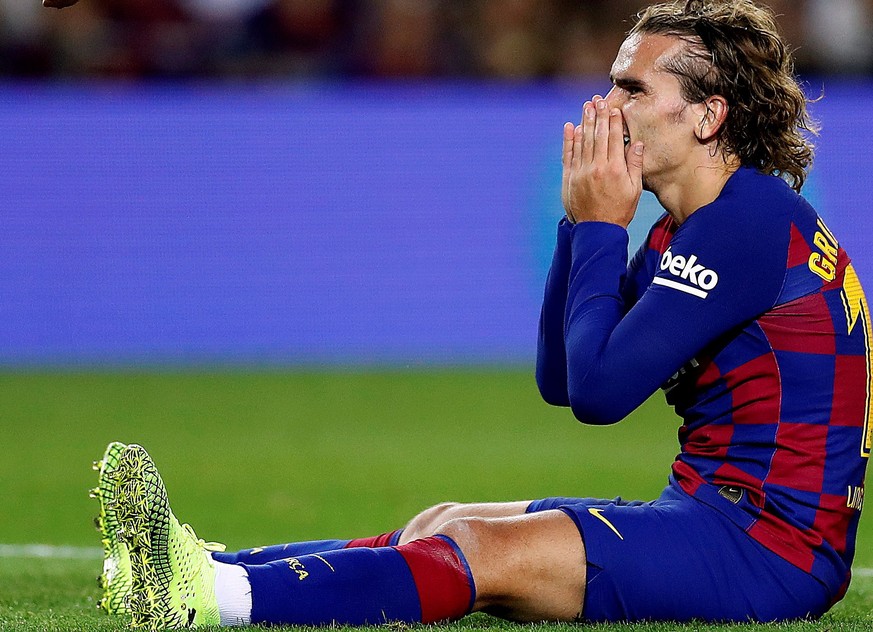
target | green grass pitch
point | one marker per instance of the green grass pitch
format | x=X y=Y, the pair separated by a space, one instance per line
x=262 y=457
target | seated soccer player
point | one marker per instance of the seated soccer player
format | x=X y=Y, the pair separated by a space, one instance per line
x=741 y=305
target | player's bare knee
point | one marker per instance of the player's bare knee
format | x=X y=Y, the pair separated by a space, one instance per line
x=428 y=521
x=459 y=526
x=468 y=533
x=484 y=546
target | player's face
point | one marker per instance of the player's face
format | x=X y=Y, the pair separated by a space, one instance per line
x=654 y=111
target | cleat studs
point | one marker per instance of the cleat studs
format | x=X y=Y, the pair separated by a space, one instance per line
x=94 y=492
x=96 y=465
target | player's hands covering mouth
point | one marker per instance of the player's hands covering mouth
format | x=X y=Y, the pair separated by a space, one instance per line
x=602 y=177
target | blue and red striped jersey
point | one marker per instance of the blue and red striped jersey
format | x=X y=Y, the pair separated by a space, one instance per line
x=752 y=320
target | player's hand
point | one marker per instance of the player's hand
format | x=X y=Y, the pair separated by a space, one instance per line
x=602 y=179
x=58 y=4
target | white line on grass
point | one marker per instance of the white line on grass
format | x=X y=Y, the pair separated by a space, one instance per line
x=31 y=551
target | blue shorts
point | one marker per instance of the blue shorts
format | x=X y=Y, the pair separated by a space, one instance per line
x=677 y=559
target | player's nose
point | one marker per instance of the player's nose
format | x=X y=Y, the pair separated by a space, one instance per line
x=615 y=98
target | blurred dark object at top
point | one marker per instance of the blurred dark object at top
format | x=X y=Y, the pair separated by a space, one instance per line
x=298 y=39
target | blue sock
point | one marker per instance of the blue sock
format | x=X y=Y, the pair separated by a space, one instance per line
x=425 y=581
x=265 y=554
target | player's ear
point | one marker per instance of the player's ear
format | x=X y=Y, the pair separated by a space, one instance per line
x=711 y=114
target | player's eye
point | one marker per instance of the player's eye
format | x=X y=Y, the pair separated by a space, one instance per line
x=630 y=89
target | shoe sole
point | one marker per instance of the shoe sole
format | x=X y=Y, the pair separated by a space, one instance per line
x=115 y=587
x=143 y=514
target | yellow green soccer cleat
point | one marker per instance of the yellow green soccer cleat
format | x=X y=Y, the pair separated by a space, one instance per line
x=173 y=573
x=116 y=577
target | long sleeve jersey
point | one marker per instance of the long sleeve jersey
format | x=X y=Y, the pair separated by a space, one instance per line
x=752 y=320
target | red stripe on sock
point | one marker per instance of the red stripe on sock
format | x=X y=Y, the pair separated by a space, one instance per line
x=444 y=587
x=373 y=542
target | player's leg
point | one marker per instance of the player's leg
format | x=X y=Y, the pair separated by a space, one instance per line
x=524 y=567
x=527 y=567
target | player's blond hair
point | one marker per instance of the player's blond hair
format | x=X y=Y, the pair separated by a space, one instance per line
x=734 y=49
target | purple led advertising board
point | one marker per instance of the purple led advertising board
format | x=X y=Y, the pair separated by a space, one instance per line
x=338 y=224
